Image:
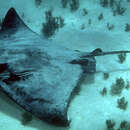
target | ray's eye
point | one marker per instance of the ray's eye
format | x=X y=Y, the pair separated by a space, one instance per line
x=97 y=51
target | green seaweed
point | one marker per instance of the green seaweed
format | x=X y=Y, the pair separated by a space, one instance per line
x=52 y=24
x=74 y=5
x=110 y=124
x=116 y=6
x=122 y=58
x=127 y=27
x=103 y=91
x=64 y=3
x=110 y=26
x=119 y=9
x=104 y=3
x=84 y=12
x=127 y=85
x=105 y=76
x=38 y=2
x=124 y=125
x=117 y=87
x=100 y=17
x=122 y=104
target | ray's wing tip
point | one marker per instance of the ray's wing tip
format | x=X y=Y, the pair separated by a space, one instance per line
x=11 y=20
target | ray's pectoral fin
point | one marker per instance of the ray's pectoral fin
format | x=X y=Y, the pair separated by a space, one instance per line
x=45 y=92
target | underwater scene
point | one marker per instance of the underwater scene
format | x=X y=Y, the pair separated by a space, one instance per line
x=64 y=64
